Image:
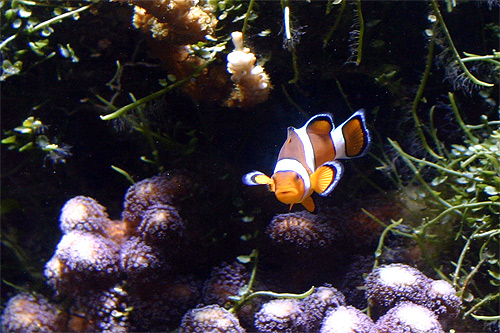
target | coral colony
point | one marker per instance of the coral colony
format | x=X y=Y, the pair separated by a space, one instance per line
x=120 y=276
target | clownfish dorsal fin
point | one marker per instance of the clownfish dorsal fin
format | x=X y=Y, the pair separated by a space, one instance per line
x=256 y=178
x=308 y=203
x=321 y=124
x=326 y=177
x=356 y=136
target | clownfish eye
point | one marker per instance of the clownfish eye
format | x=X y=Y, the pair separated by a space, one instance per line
x=297 y=177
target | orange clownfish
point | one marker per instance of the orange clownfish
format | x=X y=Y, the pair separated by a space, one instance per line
x=307 y=162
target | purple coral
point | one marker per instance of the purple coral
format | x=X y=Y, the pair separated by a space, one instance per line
x=300 y=230
x=281 y=315
x=161 y=303
x=83 y=214
x=162 y=189
x=82 y=258
x=210 y=319
x=224 y=281
x=389 y=284
x=29 y=313
x=139 y=260
x=318 y=303
x=408 y=317
x=107 y=310
x=442 y=299
x=347 y=319
x=161 y=223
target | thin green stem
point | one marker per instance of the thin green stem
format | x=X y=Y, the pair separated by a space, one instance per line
x=247 y=17
x=343 y=6
x=121 y=111
x=461 y=258
x=457 y=208
x=279 y=295
x=396 y=146
x=359 y=55
x=437 y=12
x=291 y=101
x=58 y=18
x=418 y=97
x=459 y=119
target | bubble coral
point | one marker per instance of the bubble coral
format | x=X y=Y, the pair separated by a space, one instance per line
x=82 y=258
x=300 y=230
x=347 y=319
x=32 y=313
x=83 y=214
x=281 y=315
x=210 y=319
x=223 y=282
x=408 y=317
x=252 y=84
x=318 y=303
x=389 y=284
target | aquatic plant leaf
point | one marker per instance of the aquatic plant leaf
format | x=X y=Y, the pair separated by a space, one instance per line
x=490 y=190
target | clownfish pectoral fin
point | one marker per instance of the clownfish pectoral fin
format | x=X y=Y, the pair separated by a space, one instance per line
x=355 y=134
x=309 y=204
x=326 y=177
x=256 y=178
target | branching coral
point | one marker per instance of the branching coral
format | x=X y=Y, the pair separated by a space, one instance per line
x=252 y=84
x=176 y=26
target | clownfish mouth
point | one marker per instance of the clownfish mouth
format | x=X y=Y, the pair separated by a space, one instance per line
x=288 y=196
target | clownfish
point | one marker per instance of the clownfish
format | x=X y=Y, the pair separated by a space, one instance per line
x=307 y=161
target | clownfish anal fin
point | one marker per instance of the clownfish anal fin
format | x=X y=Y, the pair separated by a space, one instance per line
x=326 y=177
x=308 y=203
x=321 y=124
x=256 y=178
x=356 y=135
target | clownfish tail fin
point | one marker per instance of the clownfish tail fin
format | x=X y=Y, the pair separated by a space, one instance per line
x=326 y=177
x=356 y=136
